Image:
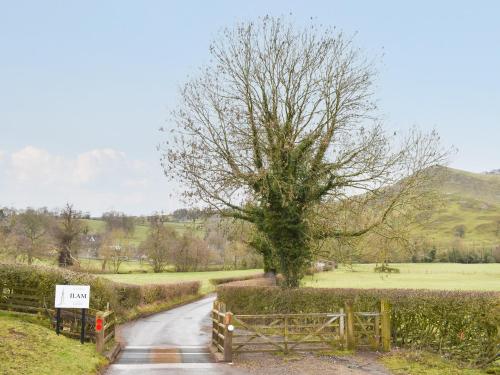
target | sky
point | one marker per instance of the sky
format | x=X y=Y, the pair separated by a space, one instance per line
x=85 y=86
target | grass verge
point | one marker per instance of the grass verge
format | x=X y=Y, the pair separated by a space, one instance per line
x=27 y=347
x=405 y=362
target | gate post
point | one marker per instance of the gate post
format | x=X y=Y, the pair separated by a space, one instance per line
x=385 y=312
x=342 y=328
x=228 y=337
x=100 y=323
x=349 y=313
x=376 y=333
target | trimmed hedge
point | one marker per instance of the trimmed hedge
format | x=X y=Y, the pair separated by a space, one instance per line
x=260 y=281
x=461 y=325
x=121 y=297
x=225 y=280
x=152 y=293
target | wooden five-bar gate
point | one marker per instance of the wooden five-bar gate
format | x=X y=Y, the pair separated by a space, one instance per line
x=345 y=329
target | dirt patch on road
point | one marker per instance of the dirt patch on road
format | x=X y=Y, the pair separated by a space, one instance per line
x=307 y=363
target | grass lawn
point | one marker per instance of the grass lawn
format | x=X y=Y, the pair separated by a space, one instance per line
x=448 y=276
x=30 y=348
x=172 y=277
x=126 y=266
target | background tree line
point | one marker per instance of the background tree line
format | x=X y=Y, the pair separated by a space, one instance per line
x=32 y=234
x=68 y=236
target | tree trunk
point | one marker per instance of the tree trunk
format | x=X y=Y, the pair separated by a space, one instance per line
x=287 y=233
x=65 y=259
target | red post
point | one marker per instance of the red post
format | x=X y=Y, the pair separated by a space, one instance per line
x=99 y=332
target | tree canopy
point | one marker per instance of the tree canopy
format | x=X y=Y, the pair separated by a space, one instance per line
x=282 y=121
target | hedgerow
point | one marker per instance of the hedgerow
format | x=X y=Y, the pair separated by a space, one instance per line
x=225 y=280
x=121 y=297
x=459 y=324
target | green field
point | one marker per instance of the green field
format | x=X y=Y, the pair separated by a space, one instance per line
x=447 y=276
x=126 y=267
x=141 y=231
x=172 y=277
x=28 y=348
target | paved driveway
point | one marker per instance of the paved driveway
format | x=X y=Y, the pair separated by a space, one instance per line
x=171 y=342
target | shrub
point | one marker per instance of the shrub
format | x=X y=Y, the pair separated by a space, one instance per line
x=384 y=268
x=121 y=297
x=462 y=325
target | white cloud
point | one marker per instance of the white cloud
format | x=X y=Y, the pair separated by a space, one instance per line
x=91 y=164
x=97 y=180
x=35 y=165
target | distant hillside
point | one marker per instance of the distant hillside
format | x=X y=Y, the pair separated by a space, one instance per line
x=470 y=211
x=478 y=186
x=494 y=171
x=469 y=214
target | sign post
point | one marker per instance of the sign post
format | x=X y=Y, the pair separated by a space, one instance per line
x=72 y=297
x=58 y=320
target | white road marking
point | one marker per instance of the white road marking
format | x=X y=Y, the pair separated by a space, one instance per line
x=163 y=366
x=165 y=347
x=141 y=355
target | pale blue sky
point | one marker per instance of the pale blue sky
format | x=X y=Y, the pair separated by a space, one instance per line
x=85 y=85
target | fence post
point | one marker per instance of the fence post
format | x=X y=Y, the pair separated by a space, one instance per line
x=385 y=315
x=341 y=328
x=376 y=333
x=228 y=337
x=286 y=334
x=100 y=323
x=349 y=311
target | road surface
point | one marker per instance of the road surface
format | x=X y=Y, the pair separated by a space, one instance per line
x=171 y=342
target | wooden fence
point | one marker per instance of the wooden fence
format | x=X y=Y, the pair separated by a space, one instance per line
x=22 y=299
x=299 y=332
x=27 y=300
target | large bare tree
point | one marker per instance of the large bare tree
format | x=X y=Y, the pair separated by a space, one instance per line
x=283 y=120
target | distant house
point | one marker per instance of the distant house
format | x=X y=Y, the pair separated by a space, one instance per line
x=90 y=245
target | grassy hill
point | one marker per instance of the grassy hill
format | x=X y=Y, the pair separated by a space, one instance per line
x=26 y=347
x=470 y=211
x=469 y=214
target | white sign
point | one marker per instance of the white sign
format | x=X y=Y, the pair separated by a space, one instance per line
x=72 y=296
